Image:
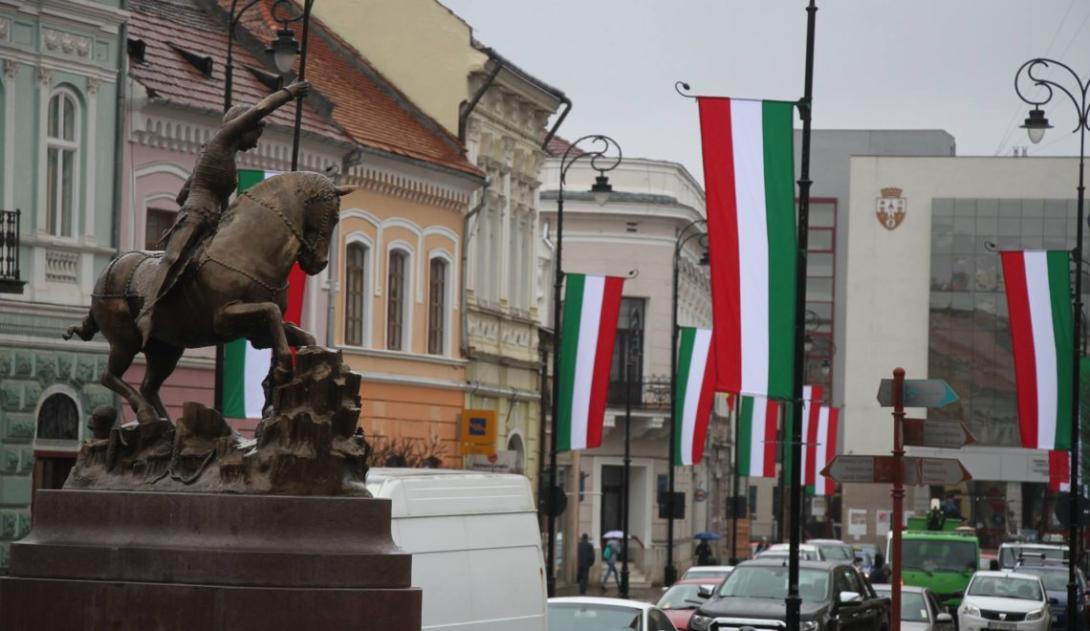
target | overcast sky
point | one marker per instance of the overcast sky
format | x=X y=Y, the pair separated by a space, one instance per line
x=880 y=64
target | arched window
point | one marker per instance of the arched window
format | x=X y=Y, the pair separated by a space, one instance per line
x=396 y=297
x=355 y=279
x=437 y=306
x=514 y=444
x=62 y=160
x=58 y=418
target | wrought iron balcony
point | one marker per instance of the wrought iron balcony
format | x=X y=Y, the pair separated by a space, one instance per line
x=652 y=393
x=10 y=280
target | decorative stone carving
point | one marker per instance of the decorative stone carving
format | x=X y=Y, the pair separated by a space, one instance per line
x=45 y=77
x=5 y=29
x=66 y=43
x=93 y=86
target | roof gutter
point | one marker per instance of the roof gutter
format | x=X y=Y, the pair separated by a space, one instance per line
x=120 y=121
x=463 y=340
x=467 y=107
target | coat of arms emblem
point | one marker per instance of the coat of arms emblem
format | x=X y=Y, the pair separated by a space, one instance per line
x=891 y=207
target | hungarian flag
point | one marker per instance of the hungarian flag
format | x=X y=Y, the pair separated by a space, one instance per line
x=695 y=394
x=588 y=330
x=1042 y=334
x=810 y=394
x=750 y=190
x=245 y=367
x=1059 y=470
x=758 y=436
x=825 y=450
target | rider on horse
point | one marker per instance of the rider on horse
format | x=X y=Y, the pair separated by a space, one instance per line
x=205 y=195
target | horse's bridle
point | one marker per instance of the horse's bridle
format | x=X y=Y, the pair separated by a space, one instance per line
x=307 y=246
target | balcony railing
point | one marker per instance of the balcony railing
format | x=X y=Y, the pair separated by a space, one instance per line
x=10 y=280
x=653 y=393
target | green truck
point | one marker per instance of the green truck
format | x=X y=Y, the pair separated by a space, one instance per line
x=942 y=560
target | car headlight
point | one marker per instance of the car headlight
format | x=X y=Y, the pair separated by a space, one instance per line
x=700 y=623
x=810 y=625
x=969 y=610
x=1036 y=614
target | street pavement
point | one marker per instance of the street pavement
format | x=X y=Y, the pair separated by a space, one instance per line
x=647 y=594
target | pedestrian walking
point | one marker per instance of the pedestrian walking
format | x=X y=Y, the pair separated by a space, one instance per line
x=585 y=560
x=610 y=552
x=880 y=572
x=703 y=553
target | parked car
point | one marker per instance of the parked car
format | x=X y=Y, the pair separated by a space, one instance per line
x=717 y=572
x=1054 y=575
x=834 y=596
x=1011 y=553
x=783 y=550
x=865 y=553
x=920 y=609
x=680 y=600
x=469 y=533
x=586 y=613
x=832 y=549
x=1004 y=600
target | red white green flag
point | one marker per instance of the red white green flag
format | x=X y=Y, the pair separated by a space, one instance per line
x=588 y=330
x=245 y=367
x=809 y=413
x=695 y=394
x=811 y=416
x=750 y=189
x=825 y=450
x=758 y=436
x=1059 y=470
x=1042 y=334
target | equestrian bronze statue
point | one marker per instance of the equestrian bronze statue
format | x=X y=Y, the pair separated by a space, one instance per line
x=234 y=286
x=205 y=194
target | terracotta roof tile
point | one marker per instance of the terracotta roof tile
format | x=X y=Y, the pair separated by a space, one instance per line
x=366 y=105
x=169 y=77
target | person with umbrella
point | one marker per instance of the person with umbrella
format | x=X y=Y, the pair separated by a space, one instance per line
x=703 y=550
x=611 y=551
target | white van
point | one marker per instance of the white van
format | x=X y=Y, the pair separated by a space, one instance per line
x=475 y=543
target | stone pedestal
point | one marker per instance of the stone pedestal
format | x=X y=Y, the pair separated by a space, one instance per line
x=150 y=560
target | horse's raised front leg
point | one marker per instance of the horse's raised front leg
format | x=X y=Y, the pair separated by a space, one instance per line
x=298 y=336
x=257 y=320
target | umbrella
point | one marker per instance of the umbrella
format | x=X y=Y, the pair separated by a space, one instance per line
x=707 y=536
x=613 y=534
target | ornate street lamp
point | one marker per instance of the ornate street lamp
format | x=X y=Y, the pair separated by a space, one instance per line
x=1035 y=125
x=602 y=162
x=283 y=49
x=684 y=236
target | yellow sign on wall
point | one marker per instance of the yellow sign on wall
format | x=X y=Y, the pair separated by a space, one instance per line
x=477 y=432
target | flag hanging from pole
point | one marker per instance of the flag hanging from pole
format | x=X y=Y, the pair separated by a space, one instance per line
x=245 y=367
x=827 y=426
x=750 y=191
x=1059 y=470
x=809 y=393
x=758 y=436
x=695 y=394
x=592 y=305
x=811 y=413
x=1042 y=338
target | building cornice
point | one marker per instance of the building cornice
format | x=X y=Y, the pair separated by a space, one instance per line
x=378 y=353
x=93 y=14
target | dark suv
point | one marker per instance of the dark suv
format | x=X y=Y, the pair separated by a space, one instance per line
x=834 y=596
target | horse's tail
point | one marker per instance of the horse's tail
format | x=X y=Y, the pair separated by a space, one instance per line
x=85 y=330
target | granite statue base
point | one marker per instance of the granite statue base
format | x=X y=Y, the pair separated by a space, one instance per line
x=212 y=561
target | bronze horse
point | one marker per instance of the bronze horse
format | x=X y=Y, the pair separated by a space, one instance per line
x=236 y=287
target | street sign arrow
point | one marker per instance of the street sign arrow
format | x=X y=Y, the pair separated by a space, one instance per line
x=919 y=393
x=943 y=434
x=879 y=469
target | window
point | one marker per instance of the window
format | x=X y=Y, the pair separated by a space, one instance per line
x=355 y=280
x=58 y=418
x=395 y=301
x=437 y=306
x=628 y=336
x=156 y=224
x=62 y=145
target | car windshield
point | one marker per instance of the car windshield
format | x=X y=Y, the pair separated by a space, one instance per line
x=771 y=582
x=836 y=553
x=777 y=552
x=592 y=617
x=682 y=596
x=1009 y=555
x=939 y=555
x=699 y=573
x=913 y=606
x=1006 y=587
x=1055 y=580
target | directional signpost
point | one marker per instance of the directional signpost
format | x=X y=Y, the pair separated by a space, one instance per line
x=942 y=434
x=918 y=393
x=879 y=469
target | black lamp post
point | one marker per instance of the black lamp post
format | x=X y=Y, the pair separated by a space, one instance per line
x=1036 y=125
x=633 y=358
x=284 y=49
x=686 y=233
x=603 y=163
x=229 y=68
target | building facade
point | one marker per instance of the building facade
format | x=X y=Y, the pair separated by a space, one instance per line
x=500 y=112
x=62 y=70
x=928 y=295
x=652 y=202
